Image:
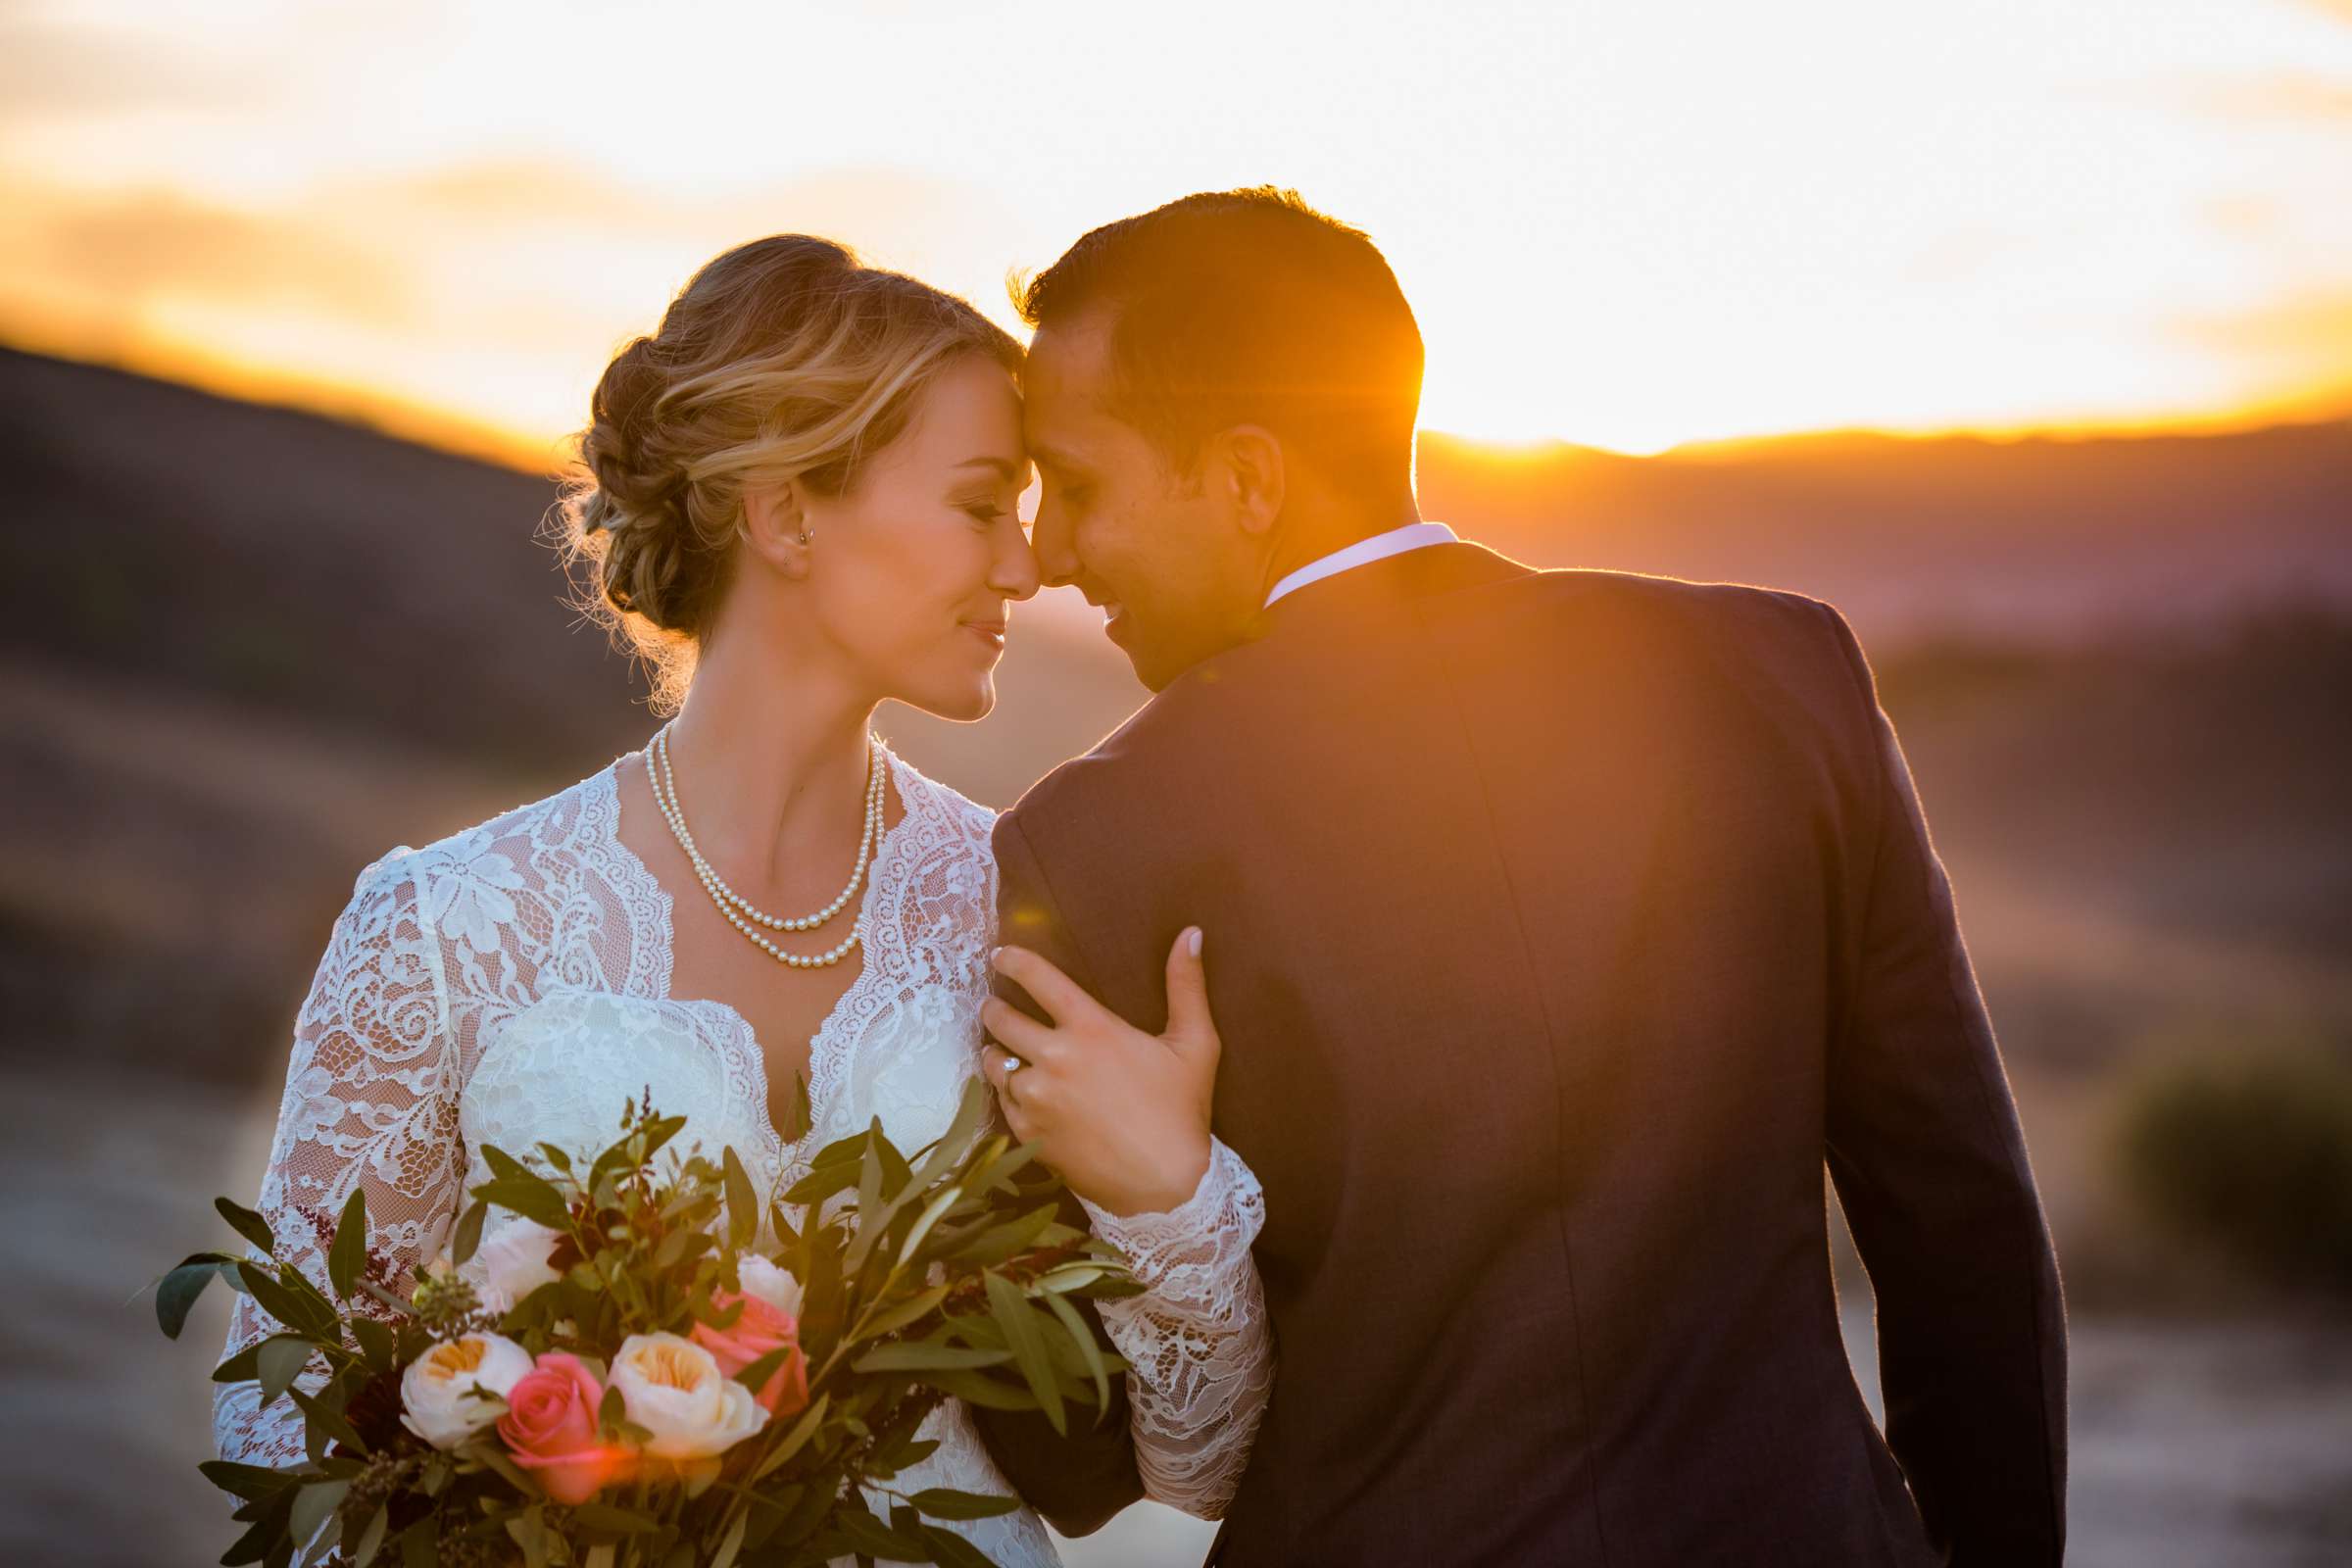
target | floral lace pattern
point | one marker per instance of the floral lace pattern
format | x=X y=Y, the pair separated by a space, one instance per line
x=511 y=984
x=1196 y=1338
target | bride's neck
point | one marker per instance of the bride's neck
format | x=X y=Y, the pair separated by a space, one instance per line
x=770 y=752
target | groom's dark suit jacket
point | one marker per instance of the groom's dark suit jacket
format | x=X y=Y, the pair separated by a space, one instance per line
x=1561 y=925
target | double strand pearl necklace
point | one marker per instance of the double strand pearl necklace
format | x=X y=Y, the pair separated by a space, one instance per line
x=738 y=911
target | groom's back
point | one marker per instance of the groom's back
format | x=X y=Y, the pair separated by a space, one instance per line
x=1526 y=899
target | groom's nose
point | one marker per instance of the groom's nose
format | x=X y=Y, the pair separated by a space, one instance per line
x=1055 y=544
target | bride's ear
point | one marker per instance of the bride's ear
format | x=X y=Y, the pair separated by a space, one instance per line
x=776 y=525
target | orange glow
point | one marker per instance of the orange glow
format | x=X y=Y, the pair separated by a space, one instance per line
x=1629 y=228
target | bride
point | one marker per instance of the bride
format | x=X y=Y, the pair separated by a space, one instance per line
x=799 y=501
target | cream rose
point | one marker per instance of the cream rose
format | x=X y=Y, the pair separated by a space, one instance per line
x=514 y=1259
x=674 y=1389
x=766 y=1281
x=459 y=1387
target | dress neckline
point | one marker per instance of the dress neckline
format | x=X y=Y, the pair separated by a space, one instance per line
x=830 y=1046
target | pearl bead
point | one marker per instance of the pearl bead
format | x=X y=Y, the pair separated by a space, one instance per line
x=664 y=780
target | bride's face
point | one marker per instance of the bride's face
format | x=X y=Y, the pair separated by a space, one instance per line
x=912 y=573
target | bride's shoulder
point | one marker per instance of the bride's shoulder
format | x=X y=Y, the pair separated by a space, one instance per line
x=506 y=848
x=964 y=823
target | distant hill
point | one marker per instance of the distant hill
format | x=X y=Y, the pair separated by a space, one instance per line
x=2049 y=539
x=251 y=649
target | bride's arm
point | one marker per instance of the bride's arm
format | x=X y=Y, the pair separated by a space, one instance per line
x=1124 y=1117
x=1196 y=1338
x=365 y=1107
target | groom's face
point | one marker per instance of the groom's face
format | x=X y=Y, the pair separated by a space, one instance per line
x=1150 y=543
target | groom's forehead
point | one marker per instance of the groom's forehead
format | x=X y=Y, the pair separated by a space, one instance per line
x=1070 y=362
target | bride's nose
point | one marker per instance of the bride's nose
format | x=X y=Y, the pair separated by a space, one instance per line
x=1012 y=571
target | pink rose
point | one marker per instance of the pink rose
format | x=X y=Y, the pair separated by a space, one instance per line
x=761 y=1328
x=550 y=1429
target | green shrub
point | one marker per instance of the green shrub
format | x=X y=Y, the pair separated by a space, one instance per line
x=2248 y=1149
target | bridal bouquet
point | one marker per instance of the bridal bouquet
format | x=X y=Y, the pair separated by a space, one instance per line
x=641 y=1380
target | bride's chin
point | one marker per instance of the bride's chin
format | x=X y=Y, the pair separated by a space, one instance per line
x=965 y=707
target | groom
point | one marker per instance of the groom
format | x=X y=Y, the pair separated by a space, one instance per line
x=1561 y=927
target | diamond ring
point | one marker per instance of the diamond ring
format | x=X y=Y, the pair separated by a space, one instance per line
x=1013 y=1064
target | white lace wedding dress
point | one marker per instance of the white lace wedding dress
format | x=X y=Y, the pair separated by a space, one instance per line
x=511 y=985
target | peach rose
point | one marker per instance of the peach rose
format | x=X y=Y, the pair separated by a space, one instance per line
x=550 y=1429
x=762 y=1327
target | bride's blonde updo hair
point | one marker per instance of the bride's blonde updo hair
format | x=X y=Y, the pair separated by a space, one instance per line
x=784 y=357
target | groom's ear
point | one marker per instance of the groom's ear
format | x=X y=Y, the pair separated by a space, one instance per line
x=773 y=526
x=1246 y=465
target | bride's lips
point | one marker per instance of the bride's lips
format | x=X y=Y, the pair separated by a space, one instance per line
x=991 y=632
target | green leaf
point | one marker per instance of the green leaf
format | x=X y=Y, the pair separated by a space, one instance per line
x=246 y=1223
x=925 y=1355
x=379 y=1343
x=952 y=1551
x=250 y=1482
x=371 y=1538
x=176 y=1295
x=620 y=1521
x=942 y=1503
x=1001 y=1242
x=1010 y=1308
x=743 y=1207
x=303 y=1310
x=532 y=1196
x=348 y=1253
x=311 y=1506
x=797 y=1439
x=875 y=1539
x=556 y=1159
x=468 y=1233
x=325 y=1420
x=1084 y=1339
x=910 y=1311
x=277 y=1360
x=732 y=1541
x=612 y=1410
x=975 y=1387
x=799 y=1117
x=420 y=1544
x=939 y=1204
x=501 y=1163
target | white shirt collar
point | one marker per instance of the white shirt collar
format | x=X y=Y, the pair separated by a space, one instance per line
x=1381 y=546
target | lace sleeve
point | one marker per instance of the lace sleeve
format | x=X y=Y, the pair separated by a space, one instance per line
x=1196 y=1338
x=367 y=1105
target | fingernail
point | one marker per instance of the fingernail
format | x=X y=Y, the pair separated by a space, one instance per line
x=994 y=955
x=1196 y=941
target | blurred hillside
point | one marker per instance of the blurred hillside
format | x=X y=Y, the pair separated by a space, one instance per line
x=251 y=649
x=254 y=648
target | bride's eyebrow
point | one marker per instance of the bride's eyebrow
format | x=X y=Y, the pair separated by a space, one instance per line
x=1005 y=471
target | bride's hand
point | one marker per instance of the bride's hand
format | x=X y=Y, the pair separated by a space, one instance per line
x=1122 y=1115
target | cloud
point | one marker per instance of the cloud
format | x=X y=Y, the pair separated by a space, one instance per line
x=2302 y=344
x=2293 y=97
x=127 y=250
x=50 y=68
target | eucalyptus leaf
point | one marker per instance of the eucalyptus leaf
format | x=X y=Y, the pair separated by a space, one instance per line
x=1084 y=1339
x=324 y=1418
x=924 y=1355
x=176 y=1295
x=952 y=1551
x=349 y=1252
x=246 y=1223
x=942 y=1503
x=277 y=1360
x=743 y=1205
x=312 y=1505
x=1010 y=1308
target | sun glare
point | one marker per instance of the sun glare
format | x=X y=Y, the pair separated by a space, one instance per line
x=1628 y=227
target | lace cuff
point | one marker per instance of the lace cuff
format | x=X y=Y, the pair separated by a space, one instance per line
x=1196 y=1338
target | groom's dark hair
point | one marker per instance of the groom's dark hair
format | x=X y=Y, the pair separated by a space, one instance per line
x=1251 y=307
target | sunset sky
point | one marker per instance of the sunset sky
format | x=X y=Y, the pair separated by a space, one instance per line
x=1628 y=225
